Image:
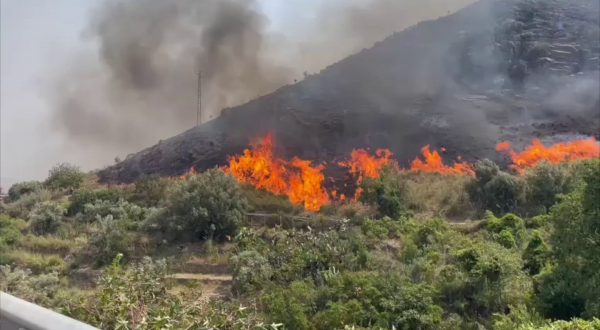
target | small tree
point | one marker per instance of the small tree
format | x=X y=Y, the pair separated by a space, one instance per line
x=208 y=205
x=64 y=176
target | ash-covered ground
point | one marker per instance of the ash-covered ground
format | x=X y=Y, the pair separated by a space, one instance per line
x=494 y=71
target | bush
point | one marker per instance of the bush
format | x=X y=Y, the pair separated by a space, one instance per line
x=25 y=204
x=10 y=231
x=495 y=190
x=536 y=254
x=64 y=176
x=150 y=190
x=208 y=205
x=82 y=197
x=250 y=272
x=484 y=279
x=108 y=240
x=544 y=183
x=46 y=217
x=38 y=289
x=509 y=230
x=120 y=210
x=23 y=188
x=388 y=193
x=567 y=290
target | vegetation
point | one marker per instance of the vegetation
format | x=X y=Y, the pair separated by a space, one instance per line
x=64 y=176
x=209 y=205
x=419 y=251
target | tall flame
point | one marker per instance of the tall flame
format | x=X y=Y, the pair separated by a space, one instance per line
x=298 y=180
x=537 y=152
x=363 y=165
x=259 y=168
x=306 y=186
x=433 y=163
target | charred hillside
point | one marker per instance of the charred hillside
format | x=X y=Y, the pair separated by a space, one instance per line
x=496 y=70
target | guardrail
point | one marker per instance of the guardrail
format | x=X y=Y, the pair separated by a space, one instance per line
x=18 y=314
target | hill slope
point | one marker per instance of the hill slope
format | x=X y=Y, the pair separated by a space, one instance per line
x=495 y=70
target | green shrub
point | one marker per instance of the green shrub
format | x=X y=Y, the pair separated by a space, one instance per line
x=544 y=183
x=484 y=279
x=509 y=230
x=82 y=197
x=46 y=217
x=64 y=176
x=536 y=254
x=251 y=271
x=388 y=193
x=150 y=190
x=10 y=230
x=23 y=188
x=495 y=190
x=108 y=240
x=38 y=289
x=569 y=288
x=119 y=210
x=290 y=306
x=208 y=205
x=25 y=204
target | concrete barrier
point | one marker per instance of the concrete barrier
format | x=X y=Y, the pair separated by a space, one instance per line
x=18 y=314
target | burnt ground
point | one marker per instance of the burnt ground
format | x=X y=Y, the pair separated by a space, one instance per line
x=496 y=70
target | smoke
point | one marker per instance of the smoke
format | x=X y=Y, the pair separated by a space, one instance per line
x=142 y=86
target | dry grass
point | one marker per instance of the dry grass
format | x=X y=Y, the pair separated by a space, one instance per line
x=438 y=195
x=49 y=244
x=36 y=262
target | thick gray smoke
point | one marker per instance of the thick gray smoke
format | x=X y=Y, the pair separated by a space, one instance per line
x=143 y=85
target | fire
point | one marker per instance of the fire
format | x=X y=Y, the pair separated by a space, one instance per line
x=433 y=163
x=537 y=152
x=306 y=186
x=259 y=168
x=363 y=165
x=298 y=180
x=191 y=172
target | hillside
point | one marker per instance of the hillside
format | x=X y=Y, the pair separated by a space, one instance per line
x=496 y=70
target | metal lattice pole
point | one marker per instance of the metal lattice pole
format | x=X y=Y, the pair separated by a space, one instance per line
x=199 y=109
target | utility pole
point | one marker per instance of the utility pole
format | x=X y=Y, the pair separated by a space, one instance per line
x=199 y=109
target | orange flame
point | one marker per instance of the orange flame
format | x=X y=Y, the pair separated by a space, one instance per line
x=191 y=172
x=363 y=165
x=537 y=152
x=306 y=187
x=433 y=163
x=302 y=183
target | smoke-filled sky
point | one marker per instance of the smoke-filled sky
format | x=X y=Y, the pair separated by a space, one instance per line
x=87 y=81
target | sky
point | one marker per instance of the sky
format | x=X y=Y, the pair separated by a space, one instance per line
x=38 y=36
x=39 y=39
